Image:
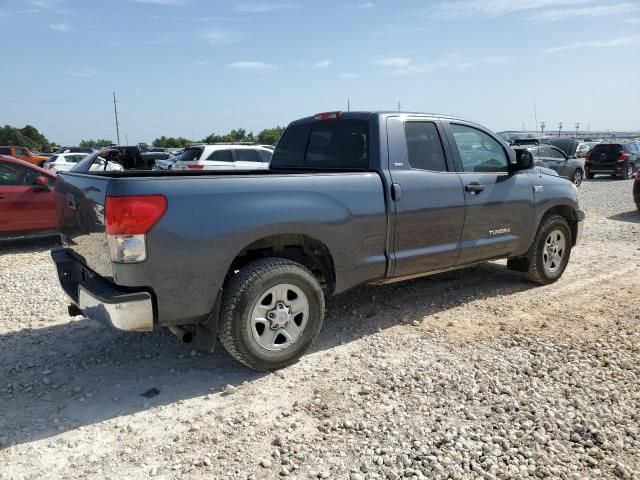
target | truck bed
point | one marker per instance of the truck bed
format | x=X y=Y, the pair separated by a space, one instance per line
x=212 y=217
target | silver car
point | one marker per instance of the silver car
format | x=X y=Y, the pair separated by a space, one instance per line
x=555 y=159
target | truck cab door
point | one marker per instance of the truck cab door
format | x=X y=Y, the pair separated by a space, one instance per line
x=427 y=195
x=499 y=203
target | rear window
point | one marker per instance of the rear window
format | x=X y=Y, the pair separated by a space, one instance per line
x=332 y=145
x=265 y=155
x=607 y=148
x=191 y=154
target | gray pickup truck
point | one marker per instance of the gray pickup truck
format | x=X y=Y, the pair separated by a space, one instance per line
x=350 y=198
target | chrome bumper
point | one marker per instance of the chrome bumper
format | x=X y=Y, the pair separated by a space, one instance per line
x=100 y=299
x=132 y=312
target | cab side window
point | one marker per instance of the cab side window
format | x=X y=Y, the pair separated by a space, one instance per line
x=424 y=147
x=557 y=154
x=479 y=152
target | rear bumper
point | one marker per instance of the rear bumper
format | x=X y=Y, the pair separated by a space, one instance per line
x=100 y=299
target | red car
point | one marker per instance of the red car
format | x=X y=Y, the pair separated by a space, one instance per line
x=27 y=204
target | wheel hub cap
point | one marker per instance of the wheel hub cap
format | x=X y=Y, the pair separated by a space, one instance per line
x=554 y=251
x=279 y=317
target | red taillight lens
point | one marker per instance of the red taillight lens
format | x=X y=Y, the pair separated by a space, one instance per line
x=195 y=167
x=638 y=175
x=133 y=215
x=327 y=116
x=587 y=158
x=622 y=157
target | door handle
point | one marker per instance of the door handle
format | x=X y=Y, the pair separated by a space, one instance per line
x=474 y=188
x=396 y=192
x=2 y=196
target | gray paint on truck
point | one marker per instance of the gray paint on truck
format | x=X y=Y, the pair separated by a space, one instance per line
x=390 y=221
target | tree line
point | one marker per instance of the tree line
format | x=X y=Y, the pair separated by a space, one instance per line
x=268 y=136
x=30 y=137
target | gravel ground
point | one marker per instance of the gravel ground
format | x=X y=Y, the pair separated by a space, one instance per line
x=469 y=374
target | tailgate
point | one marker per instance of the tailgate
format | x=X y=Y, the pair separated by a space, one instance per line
x=80 y=200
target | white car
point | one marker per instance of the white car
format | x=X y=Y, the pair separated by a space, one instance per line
x=64 y=162
x=224 y=157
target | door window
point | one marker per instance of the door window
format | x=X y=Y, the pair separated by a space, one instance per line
x=221 y=156
x=478 y=151
x=247 y=155
x=14 y=175
x=424 y=147
x=21 y=151
x=5 y=151
x=557 y=154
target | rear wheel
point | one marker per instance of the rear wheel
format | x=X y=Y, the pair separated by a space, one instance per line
x=549 y=253
x=628 y=172
x=272 y=311
x=577 y=177
x=590 y=175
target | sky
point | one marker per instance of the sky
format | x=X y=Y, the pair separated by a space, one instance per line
x=194 y=67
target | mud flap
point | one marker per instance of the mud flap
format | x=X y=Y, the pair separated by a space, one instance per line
x=207 y=332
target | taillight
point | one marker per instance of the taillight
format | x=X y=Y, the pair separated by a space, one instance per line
x=587 y=158
x=195 y=167
x=127 y=220
x=327 y=116
x=133 y=215
x=638 y=175
x=623 y=157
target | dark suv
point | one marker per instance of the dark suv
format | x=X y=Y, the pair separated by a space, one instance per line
x=613 y=158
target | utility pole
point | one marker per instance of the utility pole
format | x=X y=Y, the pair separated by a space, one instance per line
x=399 y=106
x=577 y=128
x=115 y=111
x=348 y=105
x=535 y=114
x=559 y=128
x=542 y=125
x=126 y=138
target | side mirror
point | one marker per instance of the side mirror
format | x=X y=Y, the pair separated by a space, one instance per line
x=524 y=161
x=42 y=183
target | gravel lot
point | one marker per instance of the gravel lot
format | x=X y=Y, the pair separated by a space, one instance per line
x=470 y=374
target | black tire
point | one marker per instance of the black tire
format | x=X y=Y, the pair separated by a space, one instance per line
x=590 y=175
x=638 y=206
x=577 y=177
x=537 y=272
x=628 y=172
x=241 y=296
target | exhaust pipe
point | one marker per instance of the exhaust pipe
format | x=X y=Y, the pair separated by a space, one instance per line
x=185 y=336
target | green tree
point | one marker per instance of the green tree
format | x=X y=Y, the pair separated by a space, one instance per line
x=28 y=136
x=270 y=136
x=171 y=142
x=96 y=143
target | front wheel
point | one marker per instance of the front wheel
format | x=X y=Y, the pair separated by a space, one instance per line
x=271 y=313
x=549 y=253
x=577 y=177
x=590 y=175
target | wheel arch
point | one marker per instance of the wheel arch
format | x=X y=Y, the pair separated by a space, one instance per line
x=300 y=248
x=569 y=214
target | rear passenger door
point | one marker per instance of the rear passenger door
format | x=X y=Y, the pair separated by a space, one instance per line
x=499 y=204
x=428 y=197
x=247 y=159
x=220 y=159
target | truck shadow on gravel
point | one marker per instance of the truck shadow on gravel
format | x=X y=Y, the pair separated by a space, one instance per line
x=632 y=217
x=62 y=377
